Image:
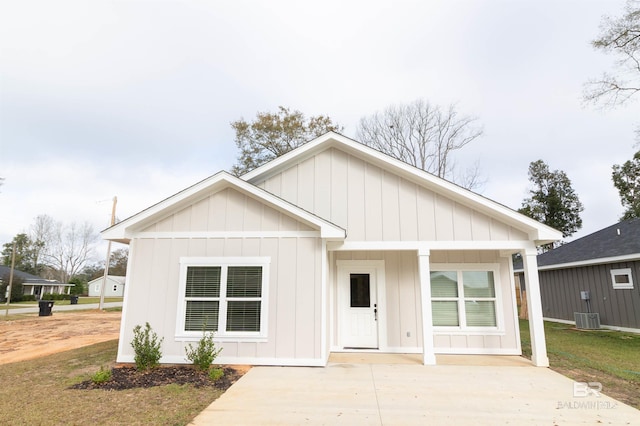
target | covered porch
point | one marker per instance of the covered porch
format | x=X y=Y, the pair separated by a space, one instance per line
x=424 y=301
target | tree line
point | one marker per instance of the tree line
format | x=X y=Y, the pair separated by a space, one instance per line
x=54 y=250
x=427 y=136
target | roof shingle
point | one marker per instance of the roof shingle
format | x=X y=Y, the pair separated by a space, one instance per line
x=621 y=239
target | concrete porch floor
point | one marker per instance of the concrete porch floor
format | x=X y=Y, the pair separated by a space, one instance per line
x=361 y=389
x=389 y=358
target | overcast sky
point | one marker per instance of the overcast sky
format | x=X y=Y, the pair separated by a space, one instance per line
x=134 y=98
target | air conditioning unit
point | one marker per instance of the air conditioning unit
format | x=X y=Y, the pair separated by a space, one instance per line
x=587 y=320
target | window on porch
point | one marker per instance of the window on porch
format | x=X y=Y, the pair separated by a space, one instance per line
x=463 y=299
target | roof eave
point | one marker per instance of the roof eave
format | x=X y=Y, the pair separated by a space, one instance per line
x=538 y=232
x=124 y=231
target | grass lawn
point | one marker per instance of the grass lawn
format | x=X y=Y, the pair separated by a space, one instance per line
x=609 y=357
x=82 y=300
x=36 y=392
x=86 y=300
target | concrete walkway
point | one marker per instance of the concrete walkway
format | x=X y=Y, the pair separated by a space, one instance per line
x=367 y=393
x=56 y=308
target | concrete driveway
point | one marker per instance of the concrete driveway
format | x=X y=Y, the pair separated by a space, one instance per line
x=458 y=391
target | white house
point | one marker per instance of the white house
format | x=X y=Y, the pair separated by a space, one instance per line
x=114 y=288
x=33 y=285
x=331 y=247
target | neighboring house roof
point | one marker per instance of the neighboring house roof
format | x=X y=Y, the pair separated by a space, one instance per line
x=26 y=277
x=123 y=231
x=619 y=242
x=540 y=233
x=113 y=278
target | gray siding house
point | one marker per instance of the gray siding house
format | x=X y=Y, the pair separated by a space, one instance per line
x=606 y=264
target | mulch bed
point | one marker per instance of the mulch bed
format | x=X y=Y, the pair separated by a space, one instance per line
x=128 y=378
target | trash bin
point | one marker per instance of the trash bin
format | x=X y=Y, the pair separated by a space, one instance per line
x=74 y=299
x=45 y=308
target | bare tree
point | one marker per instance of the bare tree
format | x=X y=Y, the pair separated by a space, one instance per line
x=620 y=37
x=41 y=234
x=425 y=136
x=70 y=248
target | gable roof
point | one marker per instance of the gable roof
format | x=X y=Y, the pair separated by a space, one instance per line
x=123 y=231
x=538 y=232
x=25 y=276
x=615 y=243
x=112 y=278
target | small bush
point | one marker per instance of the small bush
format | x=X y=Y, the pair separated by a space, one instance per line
x=17 y=290
x=101 y=376
x=55 y=296
x=215 y=374
x=203 y=355
x=146 y=347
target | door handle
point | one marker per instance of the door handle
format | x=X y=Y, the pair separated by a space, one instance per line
x=375 y=311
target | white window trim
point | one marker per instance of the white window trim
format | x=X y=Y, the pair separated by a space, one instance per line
x=465 y=267
x=622 y=286
x=222 y=335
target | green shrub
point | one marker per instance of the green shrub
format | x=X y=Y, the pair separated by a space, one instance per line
x=101 y=376
x=56 y=296
x=78 y=285
x=17 y=290
x=29 y=298
x=203 y=355
x=215 y=374
x=146 y=347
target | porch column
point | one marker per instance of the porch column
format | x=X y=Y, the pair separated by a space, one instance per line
x=428 y=352
x=534 y=304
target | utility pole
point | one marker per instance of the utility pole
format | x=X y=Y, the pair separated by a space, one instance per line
x=106 y=265
x=13 y=264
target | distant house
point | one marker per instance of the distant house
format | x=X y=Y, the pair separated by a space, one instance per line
x=332 y=247
x=114 y=288
x=34 y=285
x=598 y=273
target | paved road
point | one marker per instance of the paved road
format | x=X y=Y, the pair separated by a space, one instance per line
x=58 y=308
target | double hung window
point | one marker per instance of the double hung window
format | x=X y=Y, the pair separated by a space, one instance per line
x=223 y=295
x=464 y=299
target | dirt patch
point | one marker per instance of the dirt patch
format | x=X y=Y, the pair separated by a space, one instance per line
x=29 y=338
x=623 y=390
x=128 y=378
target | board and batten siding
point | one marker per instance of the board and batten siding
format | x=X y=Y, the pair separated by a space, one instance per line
x=560 y=292
x=227 y=210
x=376 y=205
x=404 y=311
x=294 y=284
